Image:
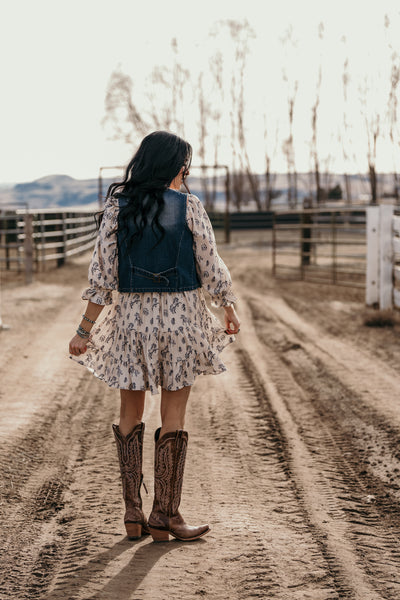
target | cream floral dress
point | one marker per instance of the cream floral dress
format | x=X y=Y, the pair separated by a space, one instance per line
x=152 y=339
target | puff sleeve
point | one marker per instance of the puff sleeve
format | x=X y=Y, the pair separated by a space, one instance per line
x=103 y=268
x=213 y=272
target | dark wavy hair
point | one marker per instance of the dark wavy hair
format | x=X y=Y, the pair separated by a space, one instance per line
x=158 y=160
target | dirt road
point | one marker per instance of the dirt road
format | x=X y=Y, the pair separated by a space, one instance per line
x=293 y=455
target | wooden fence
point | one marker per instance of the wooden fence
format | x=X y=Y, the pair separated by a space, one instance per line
x=383 y=268
x=29 y=239
x=321 y=245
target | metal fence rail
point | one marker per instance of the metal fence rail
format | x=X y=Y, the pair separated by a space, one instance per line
x=31 y=238
x=242 y=220
x=321 y=245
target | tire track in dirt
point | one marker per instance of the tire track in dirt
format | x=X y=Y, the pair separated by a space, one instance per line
x=236 y=476
x=48 y=407
x=279 y=558
x=352 y=365
x=33 y=513
x=347 y=398
x=258 y=526
x=348 y=516
x=273 y=465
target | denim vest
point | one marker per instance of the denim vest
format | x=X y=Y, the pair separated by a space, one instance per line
x=168 y=267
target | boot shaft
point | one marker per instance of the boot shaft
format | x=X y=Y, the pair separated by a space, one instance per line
x=130 y=455
x=169 y=465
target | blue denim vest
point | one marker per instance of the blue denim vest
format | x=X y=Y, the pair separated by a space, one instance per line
x=168 y=267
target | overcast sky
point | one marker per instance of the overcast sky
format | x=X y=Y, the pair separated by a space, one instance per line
x=56 y=59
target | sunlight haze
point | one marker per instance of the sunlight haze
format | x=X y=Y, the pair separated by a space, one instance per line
x=57 y=58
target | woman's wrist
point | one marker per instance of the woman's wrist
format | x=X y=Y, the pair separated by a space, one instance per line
x=86 y=318
x=86 y=324
x=90 y=315
x=229 y=308
x=83 y=333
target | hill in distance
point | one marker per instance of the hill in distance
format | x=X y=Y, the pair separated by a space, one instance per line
x=63 y=191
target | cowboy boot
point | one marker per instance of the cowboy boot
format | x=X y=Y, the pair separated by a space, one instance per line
x=169 y=464
x=130 y=453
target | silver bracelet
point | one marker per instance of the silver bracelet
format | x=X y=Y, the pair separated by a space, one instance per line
x=87 y=319
x=82 y=332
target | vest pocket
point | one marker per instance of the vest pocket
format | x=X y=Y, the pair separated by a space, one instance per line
x=140 y=278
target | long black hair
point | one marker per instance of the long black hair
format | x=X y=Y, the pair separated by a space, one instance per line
x=159 y=159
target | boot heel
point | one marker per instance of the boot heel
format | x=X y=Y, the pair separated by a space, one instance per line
x=159 y=535
x=133 y=530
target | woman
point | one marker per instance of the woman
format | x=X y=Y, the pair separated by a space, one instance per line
x=156 y=247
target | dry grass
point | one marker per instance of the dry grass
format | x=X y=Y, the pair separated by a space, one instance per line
x=381 y=318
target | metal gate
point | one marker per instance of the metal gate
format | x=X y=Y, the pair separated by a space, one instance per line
x=324 y=245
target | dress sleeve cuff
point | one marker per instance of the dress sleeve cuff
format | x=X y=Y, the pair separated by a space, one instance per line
x=97 y=296
x=223 y=301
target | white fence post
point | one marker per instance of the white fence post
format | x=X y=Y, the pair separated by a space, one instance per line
x=372 y=283
x=386 y=257
x=396 y=261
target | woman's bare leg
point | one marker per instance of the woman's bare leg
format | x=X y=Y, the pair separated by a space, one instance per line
x=173 y=409
x=170 y=454
x=131 y=412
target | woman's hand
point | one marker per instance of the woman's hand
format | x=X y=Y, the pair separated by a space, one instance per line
x=78 y=345
x=232 y=323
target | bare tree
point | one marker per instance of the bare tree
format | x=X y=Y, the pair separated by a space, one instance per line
x=288 y=148
x=327 y=174
x=121 y=110
x=216 y=69
x=372 y=126
x=290 y=44
x=241 y=33
x=344 y=137
x=161 y=112
x=393 y=131
x=165 y=94
x=393 y=110
x=180 y=77
x=269 y=154
x=314 y=145
x=163 y=105
x=204 y=115
x=373 y=130
x=319 y=192
x=252 y=177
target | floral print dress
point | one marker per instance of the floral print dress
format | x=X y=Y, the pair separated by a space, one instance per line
x=152 y=339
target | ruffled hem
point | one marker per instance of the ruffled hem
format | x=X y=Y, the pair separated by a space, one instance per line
x=133 y=359
x=168 y=374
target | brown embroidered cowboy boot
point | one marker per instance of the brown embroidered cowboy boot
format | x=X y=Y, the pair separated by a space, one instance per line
x=130 y=453
x=169 y=464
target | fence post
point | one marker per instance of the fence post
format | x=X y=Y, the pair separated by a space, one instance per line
x=305 y=220
x=372 y=283
x=396 y=260
x=42 y=242
x=273 y=245
x=62 y=259
x=9 y=224
x=227 y=220
x=386 y=257
x=28 y=247
x=333 y=241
